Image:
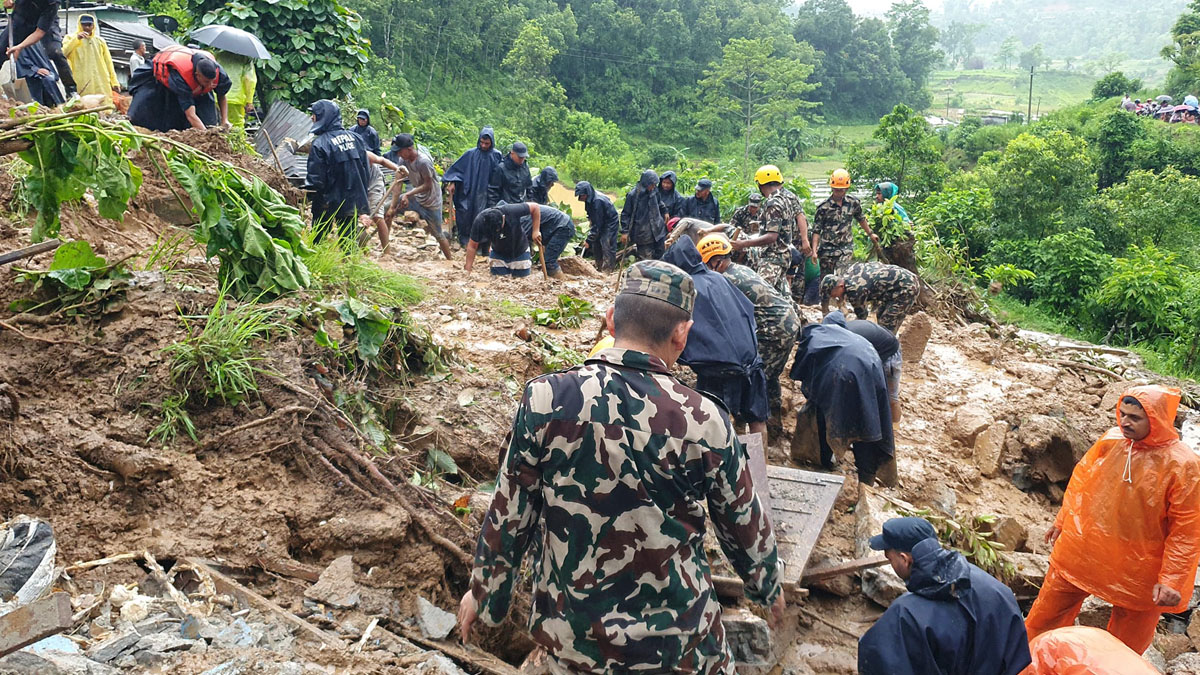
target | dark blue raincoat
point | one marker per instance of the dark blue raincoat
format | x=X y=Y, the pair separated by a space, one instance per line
x=338 y=174
x=955 y=620
x=472 y=172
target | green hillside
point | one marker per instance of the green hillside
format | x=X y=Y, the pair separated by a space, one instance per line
x=977 y=90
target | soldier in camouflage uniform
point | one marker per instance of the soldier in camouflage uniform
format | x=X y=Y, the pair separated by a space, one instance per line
x=889 y=288
x=745 y=217
x=618 y=461
x=833 y=224
x=782 y=215
x=775 y=318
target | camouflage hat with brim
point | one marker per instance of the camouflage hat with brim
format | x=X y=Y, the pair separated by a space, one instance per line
x=756 y=198
x=828 y=284
x=661 y=281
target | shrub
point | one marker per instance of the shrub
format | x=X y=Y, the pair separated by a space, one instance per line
x=590 y=164
x=1140 y=292
x=1114 y=84
x=1068 y=266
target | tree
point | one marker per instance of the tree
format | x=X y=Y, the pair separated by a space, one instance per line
x=958 y=39
x=1159 y=208
x=1114 y=84
x=1118 y=131
x=1008 y=50
x=1032 y=57
x=1035 y=181
x=317 y=47
x=915 y=41
x=758 y=83
x=909 y=155
x=1184 y=52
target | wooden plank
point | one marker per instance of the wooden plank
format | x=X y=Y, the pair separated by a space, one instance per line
x=38 y=620
x=847 y=567
x=732 y=587
x=289 y=568
x=758 y=466
x=249 y=598
x=465 y=654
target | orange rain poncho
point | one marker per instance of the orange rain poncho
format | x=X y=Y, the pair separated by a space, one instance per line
x=1083 y=650
x=1131 y=515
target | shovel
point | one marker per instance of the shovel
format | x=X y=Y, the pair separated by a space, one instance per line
x=18 y=88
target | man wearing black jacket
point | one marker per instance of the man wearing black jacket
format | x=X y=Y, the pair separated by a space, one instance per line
x=338 y=174
x=702 y=205
x=644 y=219
x=34 y=21
x=671 y=200
x=362 y=127
x=539 y=192
x=510 y=179
x=604 y=225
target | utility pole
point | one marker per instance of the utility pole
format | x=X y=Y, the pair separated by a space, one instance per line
x=1029 y=113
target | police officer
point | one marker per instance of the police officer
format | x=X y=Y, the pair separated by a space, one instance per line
x=889 y=288
x=623 y=584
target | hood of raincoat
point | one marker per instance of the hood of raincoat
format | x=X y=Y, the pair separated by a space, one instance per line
x=1084 y=649
x=649 y=178
x=888 y=190
x=938 y=573
x=1160 y=404
x=363 y=112
x=487 y=133
x=724 y=332
x=546 y=176
x=671 y=176
x=329 y=116
x=95 y=25
x=585 y=188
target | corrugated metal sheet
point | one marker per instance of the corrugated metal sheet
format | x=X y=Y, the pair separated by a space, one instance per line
x=283 y=122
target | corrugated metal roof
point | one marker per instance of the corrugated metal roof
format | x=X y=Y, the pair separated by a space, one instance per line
x=282 y=122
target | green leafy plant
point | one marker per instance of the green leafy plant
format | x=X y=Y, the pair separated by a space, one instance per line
x=569 y=312
x=1007 y=275
x=342 y=271
x=1141 y=291
x=175 y=418
x=316 y=45
x=972 y=538
x=886 y=222
x=222 y=358
x=78 y=283
x=382 y=338
x=555 y=356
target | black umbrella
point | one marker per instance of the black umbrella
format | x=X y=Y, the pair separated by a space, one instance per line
x=233 y=40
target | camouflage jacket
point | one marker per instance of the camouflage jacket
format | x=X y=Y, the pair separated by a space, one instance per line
x=779 y=213
x=618 y=460
x=876 y=282
x=742 y=218
x=835 y=223
x=774 y=314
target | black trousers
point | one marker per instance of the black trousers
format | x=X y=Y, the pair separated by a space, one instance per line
x=868 y=455
x=51 y=43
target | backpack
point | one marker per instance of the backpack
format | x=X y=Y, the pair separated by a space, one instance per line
x=509 y=239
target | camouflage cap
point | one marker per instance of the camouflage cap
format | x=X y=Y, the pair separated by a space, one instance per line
x=662 y=281
x=756 y=197
x=828 y=284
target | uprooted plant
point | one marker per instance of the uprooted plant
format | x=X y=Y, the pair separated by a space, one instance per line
x=77 y=283
x=568 y=312
x=244 y=223
x=973 y=538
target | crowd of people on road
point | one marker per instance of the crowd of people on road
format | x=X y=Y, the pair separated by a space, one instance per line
x=1163 y=109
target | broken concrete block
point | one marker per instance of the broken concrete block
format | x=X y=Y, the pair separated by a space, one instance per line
x=989 y=448
x=236 y=634
x=1094 y=612
x=880 y=584
x=914 y=336
x=943 y=498
x=748 y=637
x=842 y=585
x=335 y=587
x=1009 y=532
x=435 y=622
x=967 y=422
x=110 y=649
x=1184 y=664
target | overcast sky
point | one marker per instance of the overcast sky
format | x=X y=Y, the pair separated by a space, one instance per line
x=878 y=7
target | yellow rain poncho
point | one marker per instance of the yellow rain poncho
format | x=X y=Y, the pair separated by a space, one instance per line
x=91 y=63
x=241 y=72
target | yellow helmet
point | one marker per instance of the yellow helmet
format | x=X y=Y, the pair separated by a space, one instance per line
x=713 y=244
x=601 y=346
x=768 y=173
x=840 y=179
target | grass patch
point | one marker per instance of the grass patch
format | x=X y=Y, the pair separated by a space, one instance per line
x=512 y=309
x=175 y=418
x=978 y=90
x=352 y=273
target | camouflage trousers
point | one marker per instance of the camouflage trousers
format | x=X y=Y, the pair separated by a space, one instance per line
x=775 y=347
x=773 y=268
x=893 y=306
x=834 y=258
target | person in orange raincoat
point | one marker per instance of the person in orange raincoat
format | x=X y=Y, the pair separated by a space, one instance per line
x=1128 y=531
x=1083 y=650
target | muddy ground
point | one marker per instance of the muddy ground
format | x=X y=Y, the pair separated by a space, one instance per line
x=251 y=495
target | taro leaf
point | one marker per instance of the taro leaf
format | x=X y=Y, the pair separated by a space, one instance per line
x=76 y=279
x=371 y=333
x=76 y=254
x=116 y=185
x=439 y=461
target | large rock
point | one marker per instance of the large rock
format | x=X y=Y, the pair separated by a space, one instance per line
x=806 y=444
x=435 y=622
x=881 y=583
x=1051 y=446
x=1030 y=570
x=1155 y=658
x=438 y=664
x=914 y=335
x=843 y=585
x=1184 y=664
x=336 y=587
x=748 y=637
x=989 y=449
x=1009 y=532
x=966 y=423
x=1094 y=612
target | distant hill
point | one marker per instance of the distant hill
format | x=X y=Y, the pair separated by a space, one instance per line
x=978 y=90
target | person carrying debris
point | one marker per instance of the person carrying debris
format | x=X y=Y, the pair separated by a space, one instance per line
x=604 y=225
x=91 y=63
x=618 y=462
x=746 y=217
x=722 y=347
x=338 y=174
x=833 y=225
x=841 y=376
x=782 y=223
x=509 y=228
x=643 y=218
x=425 y=196
x=467 y=182
x=1128 y=530
x=377 y=198
x=176 y=92
x=889 y=289
x=240 y=98
x=671 y=200
x=539 y=191
x=36 y=22
x=775 y=319
x=510 y=178
x=362 y=127
x=955 y=619
x=902 y=250
x=702 y=205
